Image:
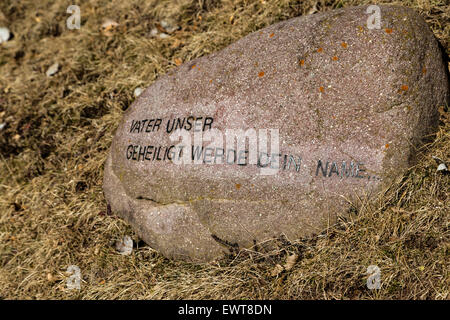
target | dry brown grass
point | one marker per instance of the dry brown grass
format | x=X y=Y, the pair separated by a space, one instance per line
x=59 y=130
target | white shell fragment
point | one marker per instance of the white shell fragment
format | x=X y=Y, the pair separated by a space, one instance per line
x=108 y=26
x=52 y=69
x=4 y=34
x=442 y=167
x=124 y=246
x=138 y=91
x=154 y=32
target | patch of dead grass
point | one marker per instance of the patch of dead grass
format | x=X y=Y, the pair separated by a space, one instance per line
x=58 y=131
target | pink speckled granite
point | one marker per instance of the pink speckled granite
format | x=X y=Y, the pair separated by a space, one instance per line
x=336 y=91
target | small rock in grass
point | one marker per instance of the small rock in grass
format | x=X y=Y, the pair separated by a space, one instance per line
x=138 y=91
x=168 y=26
x=125 y=245
x=153 y=32
x=4 y=34
x=52 y=69
x=108 y=26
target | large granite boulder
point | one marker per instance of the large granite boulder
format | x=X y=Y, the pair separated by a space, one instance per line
x=351 y=105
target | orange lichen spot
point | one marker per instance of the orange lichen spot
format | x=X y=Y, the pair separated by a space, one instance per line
x=260 y=32
x=271 y=35
x=388 y=30
x=335 y=58
x=238 y=186
x=404 y=88
x=261 y=74
x=321 y=89
x=319 y=50
x=344 y=45
x=210 y=81
x=424 y=70
x=193 y=66
x=301 y=62
x=386 y=145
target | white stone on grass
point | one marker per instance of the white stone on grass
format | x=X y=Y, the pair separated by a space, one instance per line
x=4 y=34
x=124 y=246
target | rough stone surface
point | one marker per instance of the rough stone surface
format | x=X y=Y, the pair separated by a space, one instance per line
x=336 y=91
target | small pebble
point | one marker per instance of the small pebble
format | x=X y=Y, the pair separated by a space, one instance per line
x=4 y=34
x=442 y=167
x=138 y=91
x=124 y=246
x=108 y=26
x=52 y=69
